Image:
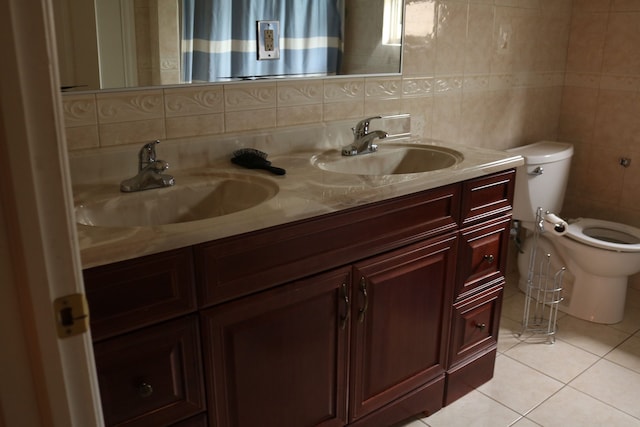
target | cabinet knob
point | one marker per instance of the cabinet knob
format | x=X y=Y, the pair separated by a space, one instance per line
x=145 y=390
x=489 y=258
x=481 y=326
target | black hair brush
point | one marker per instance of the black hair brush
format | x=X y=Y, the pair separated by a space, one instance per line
x=251 y=158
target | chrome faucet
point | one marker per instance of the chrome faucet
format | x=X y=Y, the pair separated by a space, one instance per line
x=363 y=141
x=149 y=171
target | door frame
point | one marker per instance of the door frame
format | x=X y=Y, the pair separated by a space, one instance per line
x=46 y=381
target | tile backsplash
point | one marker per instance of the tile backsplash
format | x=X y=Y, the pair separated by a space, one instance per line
x=491 y=73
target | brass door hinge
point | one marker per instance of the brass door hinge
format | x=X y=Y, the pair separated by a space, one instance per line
x=72 y=315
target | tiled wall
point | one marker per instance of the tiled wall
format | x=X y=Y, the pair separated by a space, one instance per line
x=462 y=82
x=479 y=72
x=601 y=109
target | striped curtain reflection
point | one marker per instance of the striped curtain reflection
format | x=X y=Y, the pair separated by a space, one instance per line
x=219 y=38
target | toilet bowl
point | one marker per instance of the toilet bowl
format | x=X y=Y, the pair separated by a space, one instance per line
x=599 y=255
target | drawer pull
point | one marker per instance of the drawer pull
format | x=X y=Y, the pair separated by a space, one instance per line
x=489 y=258
x=481 y=326
x=145 y=390
x=363 y=289
x=347 y=305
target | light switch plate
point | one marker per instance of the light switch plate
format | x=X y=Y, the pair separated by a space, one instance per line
x=268 y=40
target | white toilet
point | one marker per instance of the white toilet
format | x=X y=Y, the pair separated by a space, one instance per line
x=599 y=255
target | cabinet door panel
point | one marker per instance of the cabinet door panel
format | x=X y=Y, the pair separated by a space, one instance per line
x=279 y=358
x=400 y=339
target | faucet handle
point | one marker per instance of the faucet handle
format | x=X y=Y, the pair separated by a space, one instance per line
x=362 y=128
x=147 y=154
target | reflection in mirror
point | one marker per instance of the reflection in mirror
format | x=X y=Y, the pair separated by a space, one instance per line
x=139 y=43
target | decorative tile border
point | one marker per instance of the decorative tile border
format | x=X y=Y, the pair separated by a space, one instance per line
x=199 y=100
x=383 y=88
x=417 y=87
x=304 y=93
x=343 y=90
x=244 y=97
x=112 y=118
x=116 y=107
x=79 y=110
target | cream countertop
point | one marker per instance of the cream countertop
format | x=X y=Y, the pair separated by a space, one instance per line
x=304 y=192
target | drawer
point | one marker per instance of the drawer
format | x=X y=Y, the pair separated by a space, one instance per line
x=488 y=196
x=135 y=293
x=475 y=325
x=241 y=265
x=153 y=376
x=482 y=256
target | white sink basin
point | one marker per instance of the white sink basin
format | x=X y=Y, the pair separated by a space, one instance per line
x=390 y=159
x=194 y=197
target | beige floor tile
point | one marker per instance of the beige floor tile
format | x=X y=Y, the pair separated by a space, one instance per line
x=627 y=354
x=570 y=407
x=518 y=386
x=473 y=410
x=612 y=384
x=600 y=364
x=593 y=337
x=411 y=423
x=561 y=360
x=525 y=422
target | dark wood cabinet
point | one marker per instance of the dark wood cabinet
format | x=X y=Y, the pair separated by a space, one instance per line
x=279 y=358
x=482 y=256
x=362 y=317
x=230 y=268
x=128 y=295
x=399 y=324
x=475 y=314
x=151 y=377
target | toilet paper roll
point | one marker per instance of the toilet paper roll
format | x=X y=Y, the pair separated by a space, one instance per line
x=554 y=224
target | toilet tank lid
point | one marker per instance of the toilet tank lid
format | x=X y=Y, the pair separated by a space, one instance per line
x=544 y=152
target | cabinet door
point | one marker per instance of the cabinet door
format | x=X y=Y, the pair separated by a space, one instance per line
x=279 y=358
x=399 y=323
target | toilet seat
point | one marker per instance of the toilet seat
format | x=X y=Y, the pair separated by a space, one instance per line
x=607 y=235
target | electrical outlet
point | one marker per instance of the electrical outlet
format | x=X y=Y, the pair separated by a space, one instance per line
x=268 y=40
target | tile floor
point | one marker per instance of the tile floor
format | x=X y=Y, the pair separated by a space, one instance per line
x=589 y=377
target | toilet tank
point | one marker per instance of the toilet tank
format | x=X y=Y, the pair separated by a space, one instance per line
x=542 y=180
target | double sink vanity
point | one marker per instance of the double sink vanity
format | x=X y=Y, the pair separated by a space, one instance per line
x=354 y=290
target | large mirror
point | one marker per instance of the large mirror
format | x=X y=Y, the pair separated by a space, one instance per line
x=107 y=44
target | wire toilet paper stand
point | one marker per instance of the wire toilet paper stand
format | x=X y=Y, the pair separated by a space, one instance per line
x=543 y=291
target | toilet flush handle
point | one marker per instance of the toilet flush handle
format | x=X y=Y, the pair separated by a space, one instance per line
x=537 y=171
